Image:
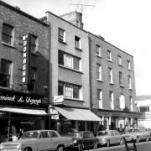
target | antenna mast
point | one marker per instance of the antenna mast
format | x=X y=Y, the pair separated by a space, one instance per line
x=81 y=6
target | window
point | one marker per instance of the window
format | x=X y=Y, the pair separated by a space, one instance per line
x=109 y=55
x=120 y=78
x=129 y=64
x=61 y=35
x=7 y=33
x=69 y=90
x=33 y=73
x=111 y=98
x=119 y=60
x=98 y=51
x=5 y=73
x=100 y=98
x=110 y=75
x=69 y=61
x=122 y=101
x=77 y=42
x=129 y=82
x=33 y=43
x=144 y=108
x=131 y=103
x=99 y=72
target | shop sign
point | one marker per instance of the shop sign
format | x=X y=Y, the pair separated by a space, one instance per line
x=20 y=99
x=58 y=100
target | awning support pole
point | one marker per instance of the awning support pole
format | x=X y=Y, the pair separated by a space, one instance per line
x=9 y=125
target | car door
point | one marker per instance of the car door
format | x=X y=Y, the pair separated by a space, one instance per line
x=117 y=137
x=44 y=140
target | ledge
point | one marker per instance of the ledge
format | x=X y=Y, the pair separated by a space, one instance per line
x=61 y=66
x=8 y=45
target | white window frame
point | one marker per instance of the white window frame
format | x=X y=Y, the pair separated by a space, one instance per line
x=110 y=75
x=68 y=61
x=61 y=36
x=111 y=98
x=129 y=64
x=129 y=82
x=122 y=101
x=131 y=104
x=98 y=51
x=109 y=55
x=119 y=60
x=100 y=99
x=68 y=90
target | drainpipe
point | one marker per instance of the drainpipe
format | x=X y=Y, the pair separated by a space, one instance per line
x=90 y=76
x=49 y=74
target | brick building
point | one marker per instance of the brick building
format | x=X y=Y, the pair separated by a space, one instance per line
x=24 y=61
x=112 y=83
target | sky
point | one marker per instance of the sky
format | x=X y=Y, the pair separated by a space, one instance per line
x=124 y=23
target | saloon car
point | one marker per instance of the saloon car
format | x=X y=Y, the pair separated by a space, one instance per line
x=110 y=137
x=138 y=134
x=38 y=140
x=84 y=140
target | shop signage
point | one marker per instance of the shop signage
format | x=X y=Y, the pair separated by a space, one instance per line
x=58 y=100
x=20 y=99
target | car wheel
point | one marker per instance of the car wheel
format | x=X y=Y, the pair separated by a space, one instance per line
x=137 y=140
x=60 y=148
x=147 y=139
x=108 y=143
x=95 y=146
x=27 y=149
x=80 y=147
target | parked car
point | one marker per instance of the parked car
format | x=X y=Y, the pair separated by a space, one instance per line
x=38 y=140
x=138 y=134
x=110 y=137
x=84 y=140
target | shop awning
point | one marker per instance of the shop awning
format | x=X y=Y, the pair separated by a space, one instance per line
x=23 y=111
x=77 y=114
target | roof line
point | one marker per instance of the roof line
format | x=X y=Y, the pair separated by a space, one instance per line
x=22 y=12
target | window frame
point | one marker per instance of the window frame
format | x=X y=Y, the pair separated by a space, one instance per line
x=10 y=35
x=61 y=35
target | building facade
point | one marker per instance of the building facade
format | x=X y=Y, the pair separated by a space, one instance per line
x=70 y=71
x=24 y=61
x=143 y=103
x=112 y=83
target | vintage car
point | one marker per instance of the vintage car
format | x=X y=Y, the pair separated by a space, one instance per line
x=38 y=140
x=110 y=137
x=84 y=140
x=138 y=134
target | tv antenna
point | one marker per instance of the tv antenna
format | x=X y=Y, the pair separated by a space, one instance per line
x=80 y=6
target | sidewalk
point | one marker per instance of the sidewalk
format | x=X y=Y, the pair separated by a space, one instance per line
x=143 y=146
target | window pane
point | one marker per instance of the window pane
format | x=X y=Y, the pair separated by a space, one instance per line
x=77 y=42
x=60 y=88
x=76 y=63
x=75 y=92
x=68 y=91
x=7 y=33
x=68 y=61
x=60 y=58
x=33 y=40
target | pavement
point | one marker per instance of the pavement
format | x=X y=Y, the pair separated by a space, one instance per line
x=143 y=146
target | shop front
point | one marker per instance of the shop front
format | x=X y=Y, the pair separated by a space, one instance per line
x=117 y=119
x=20 y=112
x=67 y=119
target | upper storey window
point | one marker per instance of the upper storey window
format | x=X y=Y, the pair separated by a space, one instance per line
x=109 y=55
x=61 y=35
x=7 y=33
x=98 y=51
x=129 y=64
x=119 y=60
x=5 y=73
x=33 y=44
x=77 y=42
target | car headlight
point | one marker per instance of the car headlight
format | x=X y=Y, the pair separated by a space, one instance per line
x=74 y=141
x=1 y=147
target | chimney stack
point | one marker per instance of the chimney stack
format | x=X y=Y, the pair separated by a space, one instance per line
x=74 y=18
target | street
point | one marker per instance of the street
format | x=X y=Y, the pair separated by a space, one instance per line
x=143 y=146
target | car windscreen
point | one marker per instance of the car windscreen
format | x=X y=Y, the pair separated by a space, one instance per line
x=30 y=135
